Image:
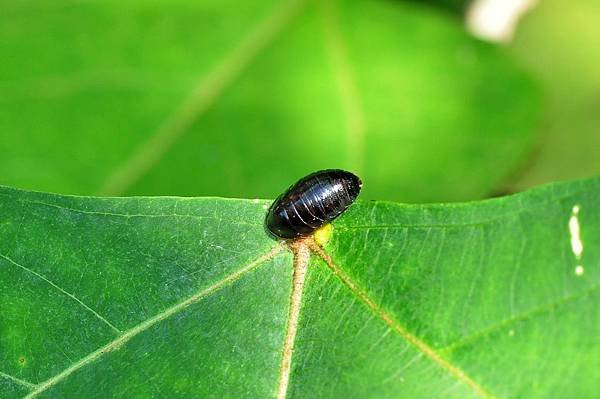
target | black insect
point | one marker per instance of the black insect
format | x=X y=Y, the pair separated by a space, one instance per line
x=312 y=202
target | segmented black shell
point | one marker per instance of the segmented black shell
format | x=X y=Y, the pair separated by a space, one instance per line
x=312 y=202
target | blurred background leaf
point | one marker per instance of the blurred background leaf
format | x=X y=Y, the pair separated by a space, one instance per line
x=560 y=43
x=239 y=99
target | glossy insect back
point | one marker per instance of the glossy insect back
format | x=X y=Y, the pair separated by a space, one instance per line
x=312 y=202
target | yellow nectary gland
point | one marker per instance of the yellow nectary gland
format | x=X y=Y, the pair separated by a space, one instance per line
x=323 y=234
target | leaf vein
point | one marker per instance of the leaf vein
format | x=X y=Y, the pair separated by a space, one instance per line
x=139 y=215
x=73 y=297
x=353 y=112
x=17 y=380
x=521 y=317
x=203 y=96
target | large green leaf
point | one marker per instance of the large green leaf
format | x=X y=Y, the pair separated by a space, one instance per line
x=205 y=98
x=179 y=298
x=566 y=61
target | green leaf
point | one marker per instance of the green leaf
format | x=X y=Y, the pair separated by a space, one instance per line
x=566 y=61
x=205 y=98
x=189 y=297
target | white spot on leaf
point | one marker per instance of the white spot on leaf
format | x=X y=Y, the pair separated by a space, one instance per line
x=576 y=244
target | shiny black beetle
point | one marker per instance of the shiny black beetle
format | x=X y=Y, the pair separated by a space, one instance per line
x=312 y=202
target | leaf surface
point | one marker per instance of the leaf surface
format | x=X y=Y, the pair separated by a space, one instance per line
x=204 y=98
x=189 y=297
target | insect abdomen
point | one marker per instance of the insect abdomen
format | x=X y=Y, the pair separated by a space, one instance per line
x=312 y=202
